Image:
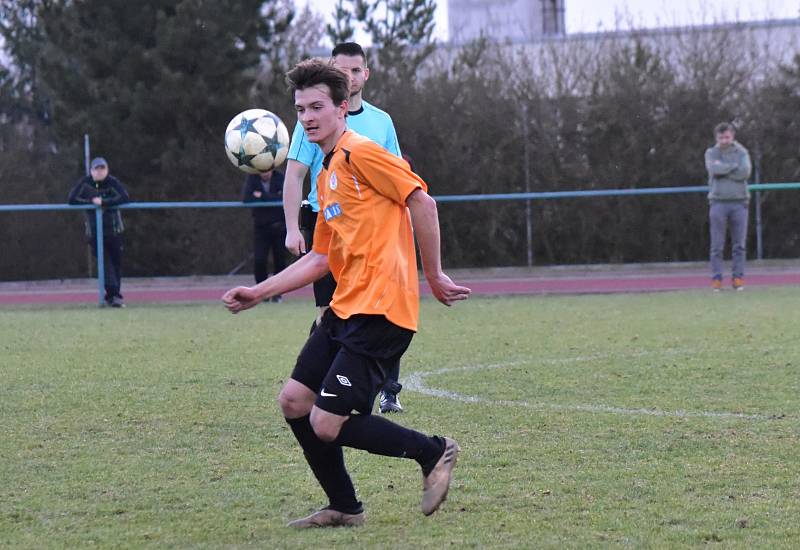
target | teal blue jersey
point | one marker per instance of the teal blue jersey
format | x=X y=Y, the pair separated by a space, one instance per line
x=369 y=121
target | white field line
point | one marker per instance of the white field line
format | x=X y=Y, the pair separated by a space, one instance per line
x=416 y=382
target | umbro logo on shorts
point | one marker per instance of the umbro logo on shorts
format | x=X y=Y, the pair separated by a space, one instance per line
x=343 y=380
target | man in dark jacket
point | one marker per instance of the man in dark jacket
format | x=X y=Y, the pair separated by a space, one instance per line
x=269 y=227
x=102 y=189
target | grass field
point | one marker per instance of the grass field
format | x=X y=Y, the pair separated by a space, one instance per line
x=664 y=420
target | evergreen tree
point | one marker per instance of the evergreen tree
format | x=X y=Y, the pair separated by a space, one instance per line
x=401 y=32
x=342 y=28
x=154 y=83
x=21 y=103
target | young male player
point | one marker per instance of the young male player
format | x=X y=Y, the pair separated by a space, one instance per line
x=304 y=154
x=369 y=200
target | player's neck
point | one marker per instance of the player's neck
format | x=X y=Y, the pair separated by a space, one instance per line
x=330 y=142
x=355 y=103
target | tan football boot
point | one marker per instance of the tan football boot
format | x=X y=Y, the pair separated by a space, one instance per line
x=328 y=518
x=436 y=484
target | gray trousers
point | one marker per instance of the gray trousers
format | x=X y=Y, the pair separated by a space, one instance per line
x=721 y=216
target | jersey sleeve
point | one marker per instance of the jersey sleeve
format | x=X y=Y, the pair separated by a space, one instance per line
x=301 y=149
x=388 y=174
x=392 y=144
x=322 y=236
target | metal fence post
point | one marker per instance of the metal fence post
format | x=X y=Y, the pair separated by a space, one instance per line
x=101 y=268
x=759 y=226
x=527 y=171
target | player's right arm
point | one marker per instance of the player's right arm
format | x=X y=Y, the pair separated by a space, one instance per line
x=300 y=157
x=303 y=272
x=292 y=197
x=311 y=267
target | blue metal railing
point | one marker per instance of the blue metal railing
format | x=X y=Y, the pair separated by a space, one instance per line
x=548 y=195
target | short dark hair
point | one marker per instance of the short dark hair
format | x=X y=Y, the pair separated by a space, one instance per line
x=349 y=48
x=312 y=72
x=723 y=127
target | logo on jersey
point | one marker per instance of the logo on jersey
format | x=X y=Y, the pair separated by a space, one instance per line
x=332 y=211
x=343 y=380
x=333 y=183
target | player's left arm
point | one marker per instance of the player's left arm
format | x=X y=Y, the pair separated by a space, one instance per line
x=425 y=219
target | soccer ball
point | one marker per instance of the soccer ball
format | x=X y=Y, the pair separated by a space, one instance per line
x=256 y=141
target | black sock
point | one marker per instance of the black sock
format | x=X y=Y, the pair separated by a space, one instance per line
x=327 y=462
x=393 y=375
x=383 y=437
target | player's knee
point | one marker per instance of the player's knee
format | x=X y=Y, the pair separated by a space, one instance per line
x=293 y=405
x=324 y=428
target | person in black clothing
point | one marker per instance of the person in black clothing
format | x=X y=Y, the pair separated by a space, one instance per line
x=102 y=189
x=269 y=227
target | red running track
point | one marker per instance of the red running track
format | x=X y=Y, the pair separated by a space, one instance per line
x=176 y=291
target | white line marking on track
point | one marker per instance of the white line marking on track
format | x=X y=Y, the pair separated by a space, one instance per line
x=416 y=382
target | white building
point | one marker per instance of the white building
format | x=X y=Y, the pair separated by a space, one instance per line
x=501 y=20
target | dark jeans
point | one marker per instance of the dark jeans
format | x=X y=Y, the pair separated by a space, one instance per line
x=112 y=260
x=266 y=238
x=725 y=215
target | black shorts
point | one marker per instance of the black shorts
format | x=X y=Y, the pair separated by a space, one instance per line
x=325 y=287
x=346 y=361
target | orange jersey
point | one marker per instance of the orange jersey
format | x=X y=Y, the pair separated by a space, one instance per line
x=365 y=229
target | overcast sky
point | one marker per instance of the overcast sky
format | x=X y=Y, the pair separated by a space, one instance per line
x=593 y=15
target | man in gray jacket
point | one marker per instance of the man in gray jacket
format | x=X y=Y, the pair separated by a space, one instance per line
x=728 y=166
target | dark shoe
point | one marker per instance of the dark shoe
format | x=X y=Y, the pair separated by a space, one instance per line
x=277 y=299
x=390 y=403
x=116 y=301
x=328 y=518
x=737 y=283
x=436 y=484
